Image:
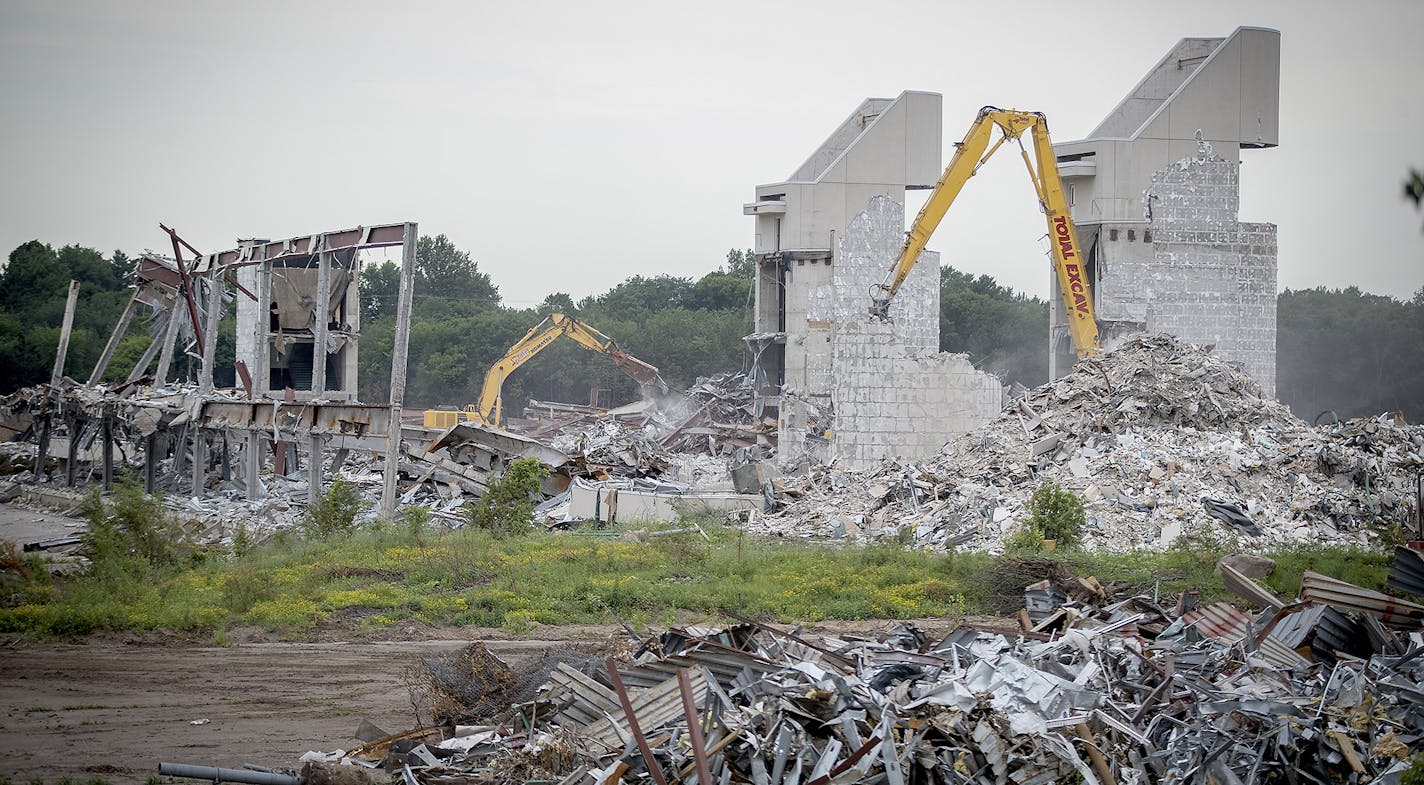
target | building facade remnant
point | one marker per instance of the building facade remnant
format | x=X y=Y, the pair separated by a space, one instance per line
x=1155 y=192
x=824 y=237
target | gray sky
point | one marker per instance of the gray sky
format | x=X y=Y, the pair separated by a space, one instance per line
x=569 y=145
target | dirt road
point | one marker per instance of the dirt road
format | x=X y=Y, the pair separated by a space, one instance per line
x=115 y=710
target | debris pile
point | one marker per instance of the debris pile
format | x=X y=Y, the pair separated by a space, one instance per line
x=1096 y=686
x=1159 y=438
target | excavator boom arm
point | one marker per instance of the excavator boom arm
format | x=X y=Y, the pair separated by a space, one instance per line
x=969 y=155
x=489 y=408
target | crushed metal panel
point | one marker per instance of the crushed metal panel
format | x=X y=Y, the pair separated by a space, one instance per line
x=1406 y=574
x=1348 y=596
x=1220 y=622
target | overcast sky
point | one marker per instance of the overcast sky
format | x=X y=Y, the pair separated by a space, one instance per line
x=570 y=145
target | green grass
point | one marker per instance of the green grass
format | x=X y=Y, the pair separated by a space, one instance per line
x=376 y=579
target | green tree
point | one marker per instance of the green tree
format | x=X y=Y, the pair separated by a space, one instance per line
x=442 y=270
x=1001 y=331
x=32 y=275
x=557 y=302
x=719 y=292
x=379 y=286
x=1350 y=352
x=508 y=502
x=1056 y=513
x=741 y=264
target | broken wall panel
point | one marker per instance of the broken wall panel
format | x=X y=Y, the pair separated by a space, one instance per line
x=894 y=400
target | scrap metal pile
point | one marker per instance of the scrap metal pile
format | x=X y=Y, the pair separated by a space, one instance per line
x=1159 y=438
x=713 y=417
x=1097 y=687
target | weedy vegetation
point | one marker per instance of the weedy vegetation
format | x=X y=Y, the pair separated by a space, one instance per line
x=497 y=572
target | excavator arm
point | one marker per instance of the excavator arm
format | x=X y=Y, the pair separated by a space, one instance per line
x=489 y=409
x=645 y=374
x=971 y=154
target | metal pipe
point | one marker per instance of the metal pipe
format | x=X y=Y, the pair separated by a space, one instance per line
x=214 y=774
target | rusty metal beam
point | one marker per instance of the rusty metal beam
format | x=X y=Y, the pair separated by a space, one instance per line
x=187 y=285
x=694 y=728
x=379 y=236
x=654 y=768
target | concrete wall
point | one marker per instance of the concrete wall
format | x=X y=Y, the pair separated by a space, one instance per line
x=1159 y=215
x=1226 y=88
x=824 y=238
x=895 y=400
x=895 y=394
x=1212 y=278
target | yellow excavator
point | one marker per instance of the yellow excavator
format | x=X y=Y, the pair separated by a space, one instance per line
x=489 y=409
x=1068 y=261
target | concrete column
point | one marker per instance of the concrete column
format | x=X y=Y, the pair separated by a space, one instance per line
x=74 y=425
x=179 y=441
x=108 y=435
x=210 y=333
x=150 y=462
x=262 y=373
x=42 y=450
x=147 y=358
x=398 y=368
x=114 y=338
x=318 y=387
x=170 y=337
x=323 y=317
x=64 y=334
x=200 y=460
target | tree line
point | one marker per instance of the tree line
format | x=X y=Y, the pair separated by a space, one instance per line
x=1341 y=352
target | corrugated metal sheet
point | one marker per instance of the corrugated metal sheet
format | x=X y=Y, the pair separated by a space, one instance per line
x=1042 y=599
x=1220 y=622
x=1248 y=589
x=1348 y=596
x=1407 y=572
x=1321 y=628
x=1279 y=654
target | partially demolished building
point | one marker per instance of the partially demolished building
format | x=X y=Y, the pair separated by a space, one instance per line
x=1155 y=190
x=823 y=238
x=295 y=403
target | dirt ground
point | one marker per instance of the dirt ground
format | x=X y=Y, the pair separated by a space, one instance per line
x=116 y=706
x=115 y=709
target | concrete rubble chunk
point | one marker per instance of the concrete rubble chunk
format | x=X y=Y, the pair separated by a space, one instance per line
x=1251 y=565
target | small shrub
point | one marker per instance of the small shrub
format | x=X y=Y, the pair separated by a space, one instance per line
x=415 y=521
x=335 y=511
x=241 y=540
x=1056 y=513
x=1025 y=539
x=1414 y=775
x=508 y=503
x=244 y=587
x=518 y=622
x=131 y=535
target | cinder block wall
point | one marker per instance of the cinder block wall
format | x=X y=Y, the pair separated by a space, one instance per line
x=1212 y=278
x=896 y=400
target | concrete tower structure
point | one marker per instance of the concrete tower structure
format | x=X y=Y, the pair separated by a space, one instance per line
x=1155 y=193
x=842 y=386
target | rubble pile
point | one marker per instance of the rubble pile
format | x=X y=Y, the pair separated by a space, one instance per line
x=1096 y=687
x=1159 y=438
x=610 y=447
x=716 y=416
